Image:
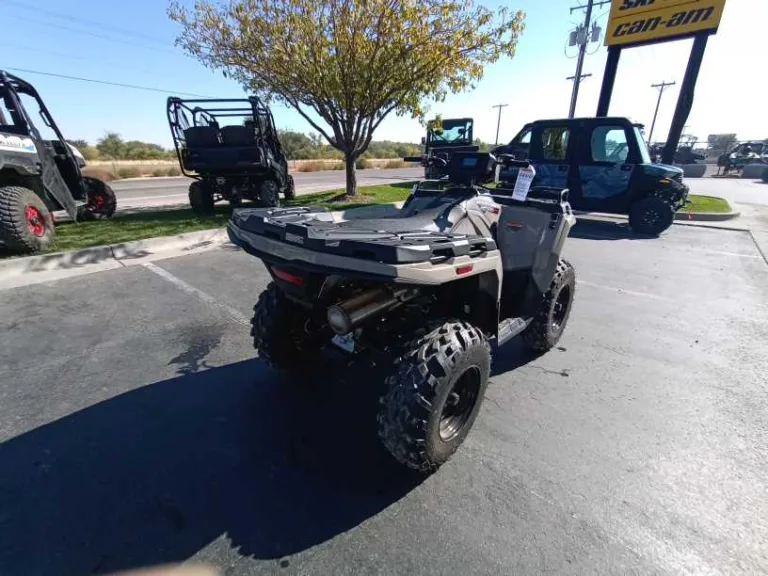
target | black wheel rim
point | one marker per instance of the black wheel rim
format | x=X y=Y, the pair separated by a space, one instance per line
x=651 y=218
x=560 y=308
x=459 y=404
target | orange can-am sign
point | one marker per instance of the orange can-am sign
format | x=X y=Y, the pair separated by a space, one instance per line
x=635 y=21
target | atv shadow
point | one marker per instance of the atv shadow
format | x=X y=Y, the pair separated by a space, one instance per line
x=604 y=230
x=154 y=475
x=510 y=356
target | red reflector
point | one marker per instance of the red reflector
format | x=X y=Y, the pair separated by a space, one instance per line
x=288 y=277
x=464 y=269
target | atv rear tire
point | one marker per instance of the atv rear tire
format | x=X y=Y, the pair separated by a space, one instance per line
x=650 y=216
x=435 y=394
x=201 y=198
x=26 y=224
x=269 y=195
x=100 y=202
x=290 y=189
x=544 y=332
x=278 y=330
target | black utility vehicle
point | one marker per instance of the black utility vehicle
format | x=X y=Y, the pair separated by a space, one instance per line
x=443 y=139
x=416 y=297
x=39 y=177
x=605 y=164
x=240 y=160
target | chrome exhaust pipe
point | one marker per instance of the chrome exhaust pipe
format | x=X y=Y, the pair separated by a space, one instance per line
x=347 y=315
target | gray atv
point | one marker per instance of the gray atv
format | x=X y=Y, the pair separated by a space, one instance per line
x=39 y=177
x=421 y=294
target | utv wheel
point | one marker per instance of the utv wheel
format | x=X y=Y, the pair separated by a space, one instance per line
x=269 y=196
x=650 y=216
x=544 y=332
x=434 y=396
x=26 y=224
x=100 y=201
x=290 y=189
x=201 y=198
x=278 y=330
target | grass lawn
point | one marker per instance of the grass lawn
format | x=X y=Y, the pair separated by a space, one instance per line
x=149 y=224
x=706 y=204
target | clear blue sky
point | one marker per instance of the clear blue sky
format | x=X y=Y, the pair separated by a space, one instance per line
x=132 y=43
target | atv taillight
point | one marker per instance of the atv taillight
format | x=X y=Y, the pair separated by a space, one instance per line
x=466 y=269
x=286 y=276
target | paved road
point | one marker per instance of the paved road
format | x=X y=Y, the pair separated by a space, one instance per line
x=137 y=428
x=173 y=191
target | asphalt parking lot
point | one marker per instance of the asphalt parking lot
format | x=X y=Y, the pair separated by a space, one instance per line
x=138 y=428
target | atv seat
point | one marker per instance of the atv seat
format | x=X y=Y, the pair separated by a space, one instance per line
x=201 y=136
x=238 y=136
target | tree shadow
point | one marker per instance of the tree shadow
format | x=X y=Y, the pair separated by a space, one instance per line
x=155 y=474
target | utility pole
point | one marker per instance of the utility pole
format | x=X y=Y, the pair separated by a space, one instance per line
x=660 y=87
x=582 y=51
x=498 y=122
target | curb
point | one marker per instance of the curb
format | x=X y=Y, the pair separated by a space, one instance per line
x=679 y=216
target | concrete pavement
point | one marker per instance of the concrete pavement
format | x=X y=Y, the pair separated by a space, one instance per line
x=138 y=428
x=148 y=192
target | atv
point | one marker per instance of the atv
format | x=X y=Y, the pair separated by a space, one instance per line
x=234 y=162
x=419 y=295
x=39 y=177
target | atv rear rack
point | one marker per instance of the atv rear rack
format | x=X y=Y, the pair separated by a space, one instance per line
x=309 y=239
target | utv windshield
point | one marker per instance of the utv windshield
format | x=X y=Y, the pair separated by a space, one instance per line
x=451 y=132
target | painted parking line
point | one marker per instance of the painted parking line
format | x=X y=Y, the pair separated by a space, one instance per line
x=199 y=294
x=580 y=282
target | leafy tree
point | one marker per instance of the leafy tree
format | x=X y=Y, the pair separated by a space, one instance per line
x=720 y=143
x=345 y=65
x=79 y=144
x=111 y=145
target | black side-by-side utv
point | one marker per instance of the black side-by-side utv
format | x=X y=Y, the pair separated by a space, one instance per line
x=39 y=177
x=242 y=160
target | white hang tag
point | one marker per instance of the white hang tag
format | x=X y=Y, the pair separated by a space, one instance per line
x=523 y=183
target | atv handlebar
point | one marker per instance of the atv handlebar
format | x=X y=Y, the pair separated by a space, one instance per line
x=509 y=160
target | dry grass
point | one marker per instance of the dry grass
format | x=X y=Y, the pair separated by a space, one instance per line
x=129 y=172
x=318 y=165
x=100 y=173
x=396 y=164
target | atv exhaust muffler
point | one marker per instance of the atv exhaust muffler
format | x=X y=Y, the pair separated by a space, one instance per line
x=346 y=316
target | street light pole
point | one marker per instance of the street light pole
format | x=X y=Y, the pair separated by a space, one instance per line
x=661 y=87
x=498 y=121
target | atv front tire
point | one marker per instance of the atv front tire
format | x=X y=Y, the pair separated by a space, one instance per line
x=544 y=332
x=26 y=224
x=201 y=198
x=278 y=331
x=650 y=216
x=269 y=195
x=290 y=189
x=100 y=202
x=435 y=394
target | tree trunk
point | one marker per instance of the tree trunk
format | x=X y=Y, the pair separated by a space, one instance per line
x=350 y=160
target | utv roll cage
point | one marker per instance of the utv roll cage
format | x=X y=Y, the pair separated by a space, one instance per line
x=195 y=123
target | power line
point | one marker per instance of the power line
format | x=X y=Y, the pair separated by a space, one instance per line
x=661 y=87
x=498 y=122
x=105 y=82
x=88 y=33
x=62 y=15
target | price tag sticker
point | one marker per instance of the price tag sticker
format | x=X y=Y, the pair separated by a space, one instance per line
x=523 y=183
